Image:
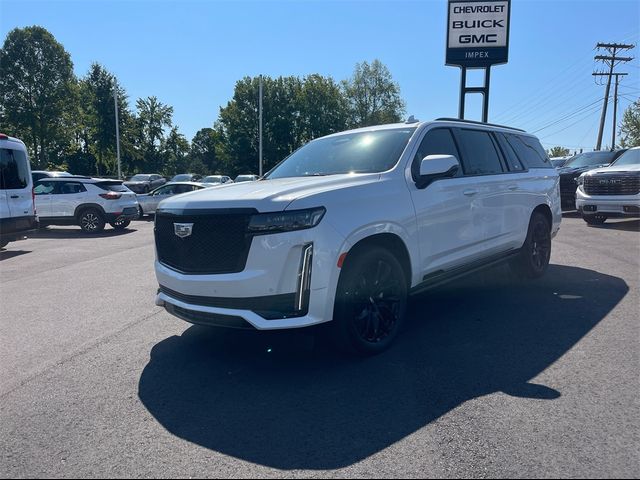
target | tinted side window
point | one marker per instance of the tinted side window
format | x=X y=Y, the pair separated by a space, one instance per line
x=512 y=159
x=14 y=171
x=436 y=142
x=529 y=151
x=112 y=186
x=479 y=153
x=69 y=188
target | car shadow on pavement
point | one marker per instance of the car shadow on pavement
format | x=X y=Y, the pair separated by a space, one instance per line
x=275 y=400
x=77 y=233
x=7 y=254
x=624 y=225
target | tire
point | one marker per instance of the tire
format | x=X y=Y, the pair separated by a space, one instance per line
x=140 y=213
x=597 y=219
x=3 y=244
x=533 y=259
x=120 y=224
x=91 y=221
x=366 y=322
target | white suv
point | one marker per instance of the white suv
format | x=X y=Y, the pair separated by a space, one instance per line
x=87 y=202
x=17 y=210
x=613 y=191
x=346 y=227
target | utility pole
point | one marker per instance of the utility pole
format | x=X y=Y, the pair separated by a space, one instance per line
x=612 y=60
x=260 y=127
x=615 y=110
x=115 y=102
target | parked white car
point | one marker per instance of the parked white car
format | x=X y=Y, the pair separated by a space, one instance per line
x=213 y=180
x=87 y=202
x=17 y=209
x=350 y=224
x=149 y=202
x=611 y=192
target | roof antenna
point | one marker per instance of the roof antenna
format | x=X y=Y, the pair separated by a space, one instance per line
x=412 y=119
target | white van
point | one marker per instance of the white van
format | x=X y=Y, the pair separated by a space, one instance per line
x=17 y=207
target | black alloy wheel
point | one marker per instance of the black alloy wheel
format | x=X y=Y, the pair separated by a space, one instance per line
x=533 y=259
x=371 y=302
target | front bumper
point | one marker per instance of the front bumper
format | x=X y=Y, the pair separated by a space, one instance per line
x=268 y=285
x=612 y=206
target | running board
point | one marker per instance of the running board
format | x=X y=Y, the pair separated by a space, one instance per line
x=440 y=277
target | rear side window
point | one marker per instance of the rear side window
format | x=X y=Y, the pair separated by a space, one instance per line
x=436 y=142
x=69 y=188
x=479 y=153
x=112 y=186
x=14 y=169
x=529 y=151
x=512 y=159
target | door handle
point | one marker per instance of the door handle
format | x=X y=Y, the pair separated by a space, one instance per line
x=470 y=192
x=15 y=196
x=512 y=187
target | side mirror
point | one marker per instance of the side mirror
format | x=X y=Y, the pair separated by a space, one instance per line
x=434 y=167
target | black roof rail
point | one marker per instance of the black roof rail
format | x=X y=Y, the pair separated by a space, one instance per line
x=474 y=122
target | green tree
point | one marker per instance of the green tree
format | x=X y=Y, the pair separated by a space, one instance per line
x=630 y=126
x=323 y=107
x=205 y=150
x=175 y=151
x=373 y=96
x=559 y=152
x=97 y=89
x=36 y=92
x=153 y=118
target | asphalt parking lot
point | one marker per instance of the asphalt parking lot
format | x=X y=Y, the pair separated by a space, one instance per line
x=490 y=378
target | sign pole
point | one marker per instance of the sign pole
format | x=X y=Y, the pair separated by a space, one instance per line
x=477 y=37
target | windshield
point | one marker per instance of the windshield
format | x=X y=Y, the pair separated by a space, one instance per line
x=361 y=152
x=140 y=178
x=589 y=159
x=630 y=157
x=212 y=179
x=185 y=177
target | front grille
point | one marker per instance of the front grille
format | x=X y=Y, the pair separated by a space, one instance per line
x=218 y=243
x=568 y=184
x=612 y=184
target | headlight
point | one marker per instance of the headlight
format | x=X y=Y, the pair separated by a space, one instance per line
x=580 y=180
x=286 y=221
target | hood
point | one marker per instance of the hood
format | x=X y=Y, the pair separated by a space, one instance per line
x=577 y=170
x=616 y=169
x=266 y=195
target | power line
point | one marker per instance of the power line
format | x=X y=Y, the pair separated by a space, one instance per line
x=566 y=117
x=593 y=110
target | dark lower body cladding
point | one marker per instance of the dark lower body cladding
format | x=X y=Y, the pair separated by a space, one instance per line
x=208 y=319
x=16 y=228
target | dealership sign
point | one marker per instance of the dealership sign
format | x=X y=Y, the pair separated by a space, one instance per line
x=478 y=32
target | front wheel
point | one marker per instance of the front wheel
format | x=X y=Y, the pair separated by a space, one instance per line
x=371 y=302
x=120 y=224
x=534 y=256
x=597 y=219
x=91 y=221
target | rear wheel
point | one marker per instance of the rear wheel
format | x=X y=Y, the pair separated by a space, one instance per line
x=597 y=219
x=534 y=256
x=371 y=302
x=120 y=224
x=91 y=221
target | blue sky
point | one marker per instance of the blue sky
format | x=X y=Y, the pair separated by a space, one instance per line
x=189 y=54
